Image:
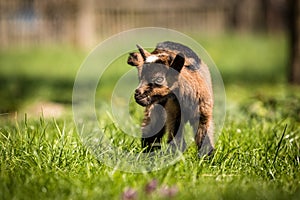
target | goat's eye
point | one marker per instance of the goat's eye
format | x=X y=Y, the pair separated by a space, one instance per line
x=158 y=80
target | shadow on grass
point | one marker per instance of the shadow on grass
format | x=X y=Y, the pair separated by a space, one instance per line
x=15 y=91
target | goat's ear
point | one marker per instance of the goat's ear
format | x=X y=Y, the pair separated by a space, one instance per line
x=178 y=62
x=135 y=59
x=143 y=52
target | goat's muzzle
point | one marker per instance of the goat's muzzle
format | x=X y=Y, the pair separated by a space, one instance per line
x=141 y=97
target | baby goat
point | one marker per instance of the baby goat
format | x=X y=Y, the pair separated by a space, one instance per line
x=175 y=88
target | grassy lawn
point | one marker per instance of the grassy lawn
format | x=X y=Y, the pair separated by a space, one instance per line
x=257 y=155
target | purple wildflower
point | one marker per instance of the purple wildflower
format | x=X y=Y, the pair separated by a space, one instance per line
x=151 y=186
x=129 y=194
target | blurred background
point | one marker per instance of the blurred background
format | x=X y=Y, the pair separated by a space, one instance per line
x=255 y=44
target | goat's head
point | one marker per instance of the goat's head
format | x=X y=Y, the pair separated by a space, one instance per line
x=157 y=73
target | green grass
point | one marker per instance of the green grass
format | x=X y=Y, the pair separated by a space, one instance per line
x=257 y=155
x=256 y=158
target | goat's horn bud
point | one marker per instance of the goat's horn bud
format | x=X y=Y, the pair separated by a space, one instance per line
x=142 y=51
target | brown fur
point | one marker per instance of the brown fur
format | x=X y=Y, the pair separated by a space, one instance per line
x=183 y=96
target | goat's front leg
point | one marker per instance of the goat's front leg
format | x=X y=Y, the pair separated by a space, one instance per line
x=153 y=127
x=175 y=126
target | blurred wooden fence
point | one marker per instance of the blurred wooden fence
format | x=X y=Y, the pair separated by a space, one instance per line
x=87 y=22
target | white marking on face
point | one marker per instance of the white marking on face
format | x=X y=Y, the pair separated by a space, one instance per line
x=151 y=59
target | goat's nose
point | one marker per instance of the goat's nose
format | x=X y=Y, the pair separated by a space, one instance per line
x=138 y=91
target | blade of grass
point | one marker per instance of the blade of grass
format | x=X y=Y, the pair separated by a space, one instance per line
x=279 y=143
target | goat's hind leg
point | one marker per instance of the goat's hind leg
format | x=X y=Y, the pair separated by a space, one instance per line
x=204 y=138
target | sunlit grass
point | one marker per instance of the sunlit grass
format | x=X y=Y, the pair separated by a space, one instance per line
x=252 y=60
x=256 y=157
